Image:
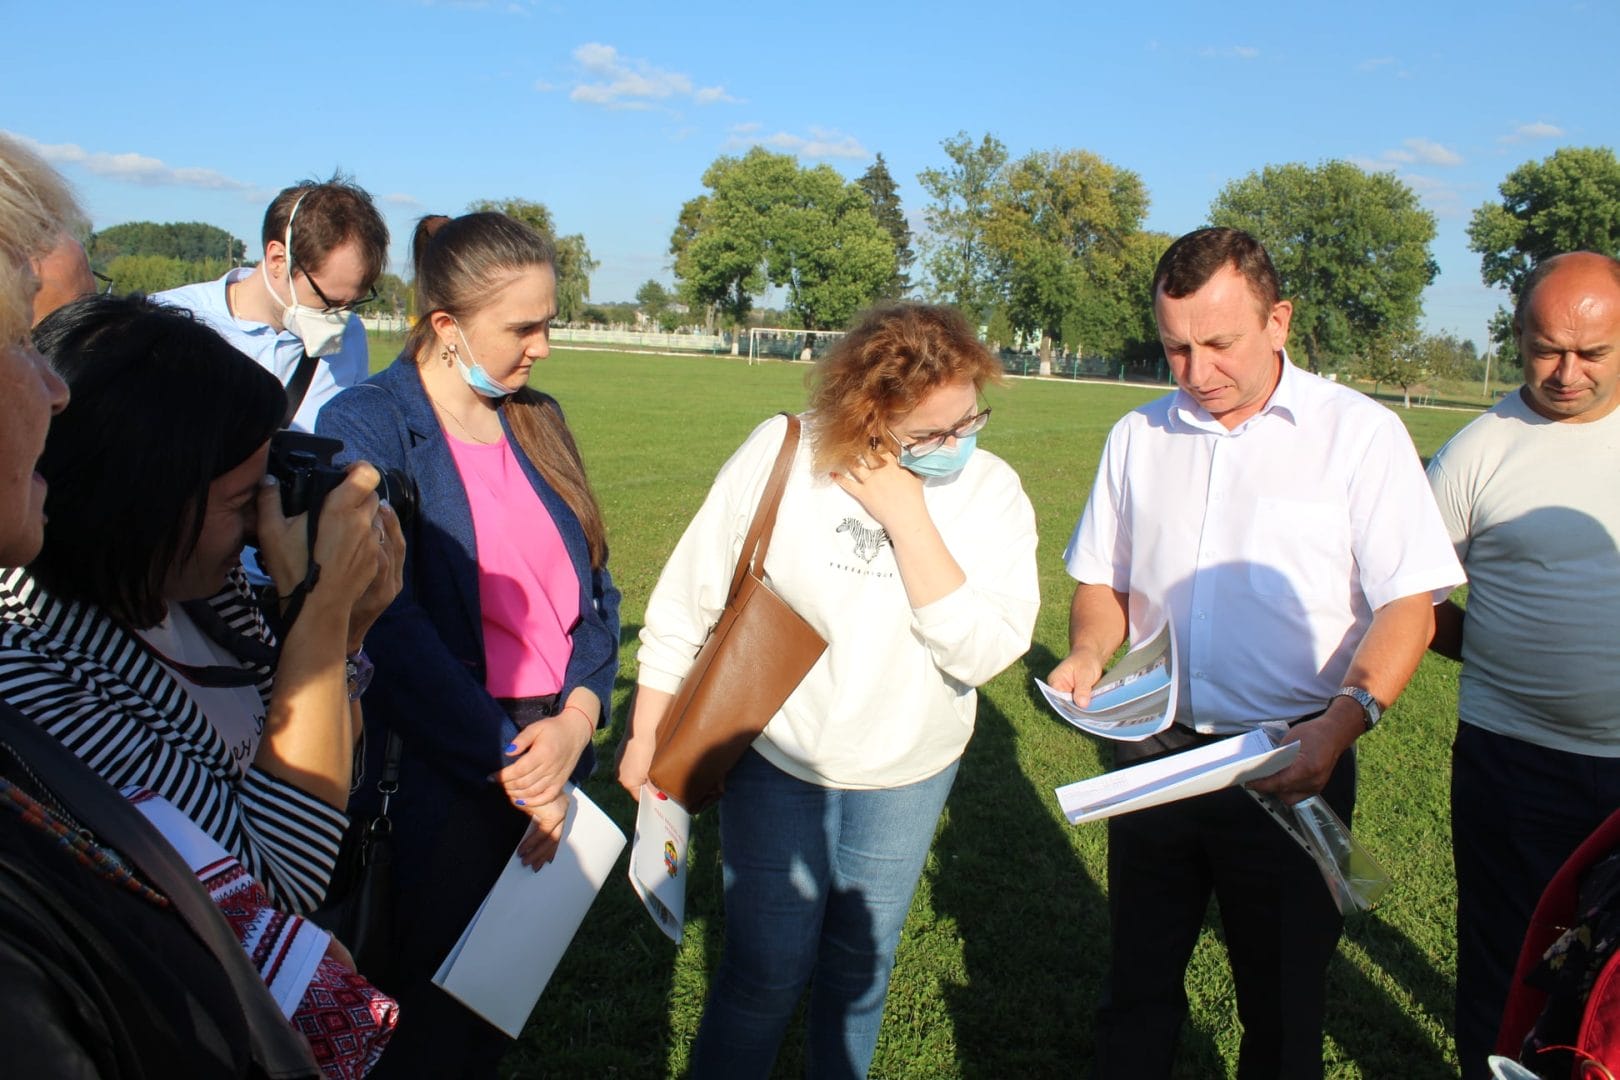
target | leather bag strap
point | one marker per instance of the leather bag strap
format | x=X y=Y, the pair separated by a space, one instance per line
x=758 y=540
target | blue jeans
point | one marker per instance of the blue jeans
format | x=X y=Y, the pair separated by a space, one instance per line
x=817 y=880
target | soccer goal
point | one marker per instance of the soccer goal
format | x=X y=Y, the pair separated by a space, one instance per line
x=783 y=343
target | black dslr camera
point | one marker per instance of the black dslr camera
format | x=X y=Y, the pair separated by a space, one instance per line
x=302 y=463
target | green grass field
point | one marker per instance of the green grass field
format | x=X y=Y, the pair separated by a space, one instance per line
x=1002 y=958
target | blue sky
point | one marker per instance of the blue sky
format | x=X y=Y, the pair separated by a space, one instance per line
x=609 y=113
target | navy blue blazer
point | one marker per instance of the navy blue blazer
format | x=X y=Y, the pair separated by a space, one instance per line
x=428 y=647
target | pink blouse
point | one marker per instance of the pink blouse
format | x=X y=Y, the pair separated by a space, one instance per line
x=527 y=589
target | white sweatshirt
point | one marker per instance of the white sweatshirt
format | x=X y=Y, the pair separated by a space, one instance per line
x=892 y=700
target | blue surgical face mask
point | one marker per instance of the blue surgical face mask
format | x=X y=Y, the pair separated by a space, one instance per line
x=475 y=376
x=945 y=461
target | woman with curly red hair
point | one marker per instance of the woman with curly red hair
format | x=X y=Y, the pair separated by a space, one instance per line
x=913 y=554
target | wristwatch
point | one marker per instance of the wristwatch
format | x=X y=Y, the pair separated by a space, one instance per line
x=357 y=667
x=1368 y=703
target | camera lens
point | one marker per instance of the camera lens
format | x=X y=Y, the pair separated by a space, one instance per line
x=399 y=492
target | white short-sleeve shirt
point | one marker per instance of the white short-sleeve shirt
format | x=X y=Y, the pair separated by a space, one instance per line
x=1268 y=546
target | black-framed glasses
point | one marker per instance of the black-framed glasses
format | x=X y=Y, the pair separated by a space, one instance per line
x=927 y=444
x=104 y=280
x=328 y=306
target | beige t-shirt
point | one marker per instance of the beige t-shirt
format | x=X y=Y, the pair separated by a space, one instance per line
x=1534 y=509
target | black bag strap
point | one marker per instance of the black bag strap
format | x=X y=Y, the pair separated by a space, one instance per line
x=758 y=540
x=298 y=386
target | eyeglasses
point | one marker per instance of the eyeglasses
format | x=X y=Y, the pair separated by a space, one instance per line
x=331 y=308
x=105 y=280
x=924 y=445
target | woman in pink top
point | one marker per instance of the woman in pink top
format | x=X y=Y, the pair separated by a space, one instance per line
x=496 y=663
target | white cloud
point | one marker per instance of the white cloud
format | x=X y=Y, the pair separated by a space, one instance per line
x=401 y=200
x=1237 y=52
x=1415 y=151
x=1538 y=130
x=1430 y=152
x=745 y=128
x=543 y=86
x=622 y=82
x=1374 y=63
x=132 y=168
x=820 y=143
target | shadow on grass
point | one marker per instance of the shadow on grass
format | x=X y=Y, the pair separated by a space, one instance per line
x=1380 y=1034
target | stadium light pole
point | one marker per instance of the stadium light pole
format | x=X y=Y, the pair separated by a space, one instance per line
x=1485 y=391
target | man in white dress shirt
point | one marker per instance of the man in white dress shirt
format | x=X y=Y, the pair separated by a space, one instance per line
x=325 y=245
x=1282 y=523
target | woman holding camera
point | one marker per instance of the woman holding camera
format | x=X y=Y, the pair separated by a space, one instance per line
x=133 y=637
x=914 y=557
x=496 y=664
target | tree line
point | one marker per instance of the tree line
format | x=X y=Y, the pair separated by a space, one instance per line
x=1047 y=250
x=1050 y=248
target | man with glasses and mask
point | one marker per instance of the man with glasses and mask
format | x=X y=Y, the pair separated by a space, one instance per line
x=294 y=313
x=1282 y=524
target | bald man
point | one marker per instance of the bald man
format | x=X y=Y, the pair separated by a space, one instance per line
x=1530 y=493
x=64 y=276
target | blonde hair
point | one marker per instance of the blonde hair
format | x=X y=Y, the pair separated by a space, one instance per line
x=36 y=207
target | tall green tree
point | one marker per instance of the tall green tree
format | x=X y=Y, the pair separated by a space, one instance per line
x=960 y=264
x=1351 y=248
x=188 y=241
x=574 y=263
x=769 y=220
x=393 y=295
x=155 y=273
x=827 y=250
x=1061 y=224
x=880 y=188
x=1569 y=201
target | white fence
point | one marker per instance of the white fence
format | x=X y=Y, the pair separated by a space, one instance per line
x=560 y=335
x=641 y=339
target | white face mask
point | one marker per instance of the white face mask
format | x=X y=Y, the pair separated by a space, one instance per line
x=320 y=331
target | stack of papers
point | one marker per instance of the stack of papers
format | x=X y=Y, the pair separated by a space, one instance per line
x=1227 y=763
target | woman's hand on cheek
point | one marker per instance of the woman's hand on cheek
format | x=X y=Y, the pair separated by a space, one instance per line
x=887 y=492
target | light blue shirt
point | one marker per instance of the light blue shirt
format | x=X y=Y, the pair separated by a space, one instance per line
x=278 y=352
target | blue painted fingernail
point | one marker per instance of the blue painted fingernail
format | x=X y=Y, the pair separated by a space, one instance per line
x=520 y=802
x=511 y=748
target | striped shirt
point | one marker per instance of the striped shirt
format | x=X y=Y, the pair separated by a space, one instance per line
x=79 y=675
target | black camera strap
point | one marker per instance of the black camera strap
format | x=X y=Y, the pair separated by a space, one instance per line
x=251 y=651
x=282 y=618
x=298 y=386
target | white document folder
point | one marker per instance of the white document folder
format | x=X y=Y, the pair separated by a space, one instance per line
x=1227 y=763
x=512 y=945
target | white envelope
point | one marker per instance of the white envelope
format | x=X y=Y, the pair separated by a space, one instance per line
x=512 y=945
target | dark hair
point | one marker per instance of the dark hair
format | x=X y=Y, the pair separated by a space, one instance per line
x=892 y=358
x=1195 y=258
x=330 y=213
x=1542 y=271
x=161 y=405
x=461 y=264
